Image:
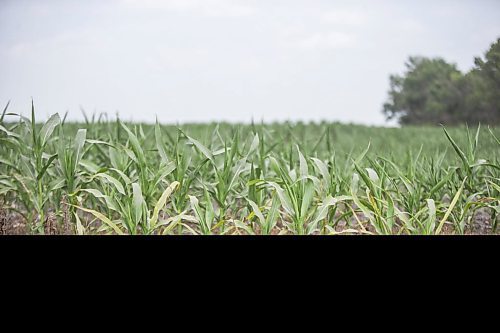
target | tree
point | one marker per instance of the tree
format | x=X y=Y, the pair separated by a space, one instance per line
x=431 y=91
x=483 y=98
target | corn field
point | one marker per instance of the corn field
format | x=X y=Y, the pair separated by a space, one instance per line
x=110 y=177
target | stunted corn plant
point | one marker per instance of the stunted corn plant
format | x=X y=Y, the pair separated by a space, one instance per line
x=110 y=177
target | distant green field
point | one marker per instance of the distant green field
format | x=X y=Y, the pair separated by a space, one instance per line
x=104 y=177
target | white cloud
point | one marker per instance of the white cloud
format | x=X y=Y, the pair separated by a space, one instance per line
x=165 y=58
x=329 y=40
x=250 y=64
x=77 y=37
x=214 y=8
x=411 y=26
x=345 y=17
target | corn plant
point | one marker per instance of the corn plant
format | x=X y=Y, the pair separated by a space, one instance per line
x=112 y=177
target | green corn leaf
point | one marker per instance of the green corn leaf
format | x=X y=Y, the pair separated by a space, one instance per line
x=442 y=182
x=125 y=178
x=495 y=186
x=136 y=146
x=323 y=210
x=431 y=220
x=48 y=128
x=162 y=202
x=165 y=171
x=33 y=127
x=322 y=168
x=99 y=142
x=44 y=168
x=390 y=216
x=459 y=151
x=272 y=215
x=366 y=179
x=204 y=150
x=56 y=184
x=363 y=154
x=112 y=180
x=90 y=166
x=80 y=229
x=9 y=133
x=137 y=202
x=306 y=198
x=304 y=169
x=285 y=202
x=254 y=145
x=209 y=210
x=95 y=192
x=159 y=143
x=4 y=112
x=450 y=208
x=257 y=212
x=199 y=215
x=102 y=218
x=110 y=202
x=8 y=163
x=494 y=136
x=373 y=176
x=79 y=142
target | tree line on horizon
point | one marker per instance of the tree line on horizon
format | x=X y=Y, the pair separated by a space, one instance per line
x=433 y=91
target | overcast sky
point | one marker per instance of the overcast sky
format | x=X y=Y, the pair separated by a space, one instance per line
x=203 y=60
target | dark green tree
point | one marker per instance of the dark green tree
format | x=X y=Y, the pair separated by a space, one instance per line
x=430 y=92
x=483 y=93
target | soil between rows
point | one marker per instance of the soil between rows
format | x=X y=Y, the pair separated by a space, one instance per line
x=14 y=224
